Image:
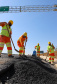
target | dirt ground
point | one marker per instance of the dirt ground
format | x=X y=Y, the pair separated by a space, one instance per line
x=45 y=54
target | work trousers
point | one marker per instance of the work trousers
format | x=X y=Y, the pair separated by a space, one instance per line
x=51 y=58
x=21 y=51
x=5 y=40
x=38 y=53
x=21 y=48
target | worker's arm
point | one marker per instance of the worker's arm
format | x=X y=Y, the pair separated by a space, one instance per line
x=10 y=35
x=21 y=40
x=25 y=42
x=2 y=23
x=53 y=47
x=26 y=38
x=18 y=42
x=22 y=43
x=35 y=47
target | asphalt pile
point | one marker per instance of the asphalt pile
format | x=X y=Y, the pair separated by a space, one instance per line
x=28 y=71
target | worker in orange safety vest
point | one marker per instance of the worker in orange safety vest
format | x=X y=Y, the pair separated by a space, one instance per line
x=50 y=51
x=5 y=37
x=20 y=43
x=37 y=47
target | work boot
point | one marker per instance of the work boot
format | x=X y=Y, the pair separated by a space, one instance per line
x=52 y=63
x=49 y=62
x=10 y=56
x=19 y=55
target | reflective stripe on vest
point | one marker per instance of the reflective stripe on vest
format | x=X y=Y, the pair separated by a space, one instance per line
x=50 y=49
x=4 y=31
x=38 y=48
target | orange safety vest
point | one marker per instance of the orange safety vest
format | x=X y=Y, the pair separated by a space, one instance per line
x=20 y=41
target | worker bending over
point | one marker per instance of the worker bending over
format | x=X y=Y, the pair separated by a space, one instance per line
x=5 y=37
x=50 y=51
x=37 y=47
x=20 y=43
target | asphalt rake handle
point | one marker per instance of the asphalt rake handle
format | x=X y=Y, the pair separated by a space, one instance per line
x=14 y=45
x=24 y=47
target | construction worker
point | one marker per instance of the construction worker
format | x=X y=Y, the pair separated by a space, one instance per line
x=50 y=51
x=5 y=37
x=20 y=43
x=37 y=47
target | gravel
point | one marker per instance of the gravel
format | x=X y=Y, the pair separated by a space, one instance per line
x=28 y=71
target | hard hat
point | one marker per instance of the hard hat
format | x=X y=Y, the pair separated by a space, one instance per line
x=25 y=34
x=49 y=42
x=11 y=21
x=38 y=43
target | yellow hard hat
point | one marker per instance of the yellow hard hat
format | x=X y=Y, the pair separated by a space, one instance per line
x=25 y=34
x=49 y=42
x=38 y=43
x=11 y=21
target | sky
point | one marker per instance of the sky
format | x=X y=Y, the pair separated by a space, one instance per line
x=41 y=27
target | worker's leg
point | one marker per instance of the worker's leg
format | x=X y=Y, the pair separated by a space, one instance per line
x=52 y=58
x=9 y=47
x=20 y=48
x=1 y=43
x=23 y=50
x=20 y=51
x=49 y=59
x=38 y=53
x=1 y=47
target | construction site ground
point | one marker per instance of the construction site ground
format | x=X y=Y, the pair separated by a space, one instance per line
x=6 y=62
x=47 y=59
x=4 y=59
